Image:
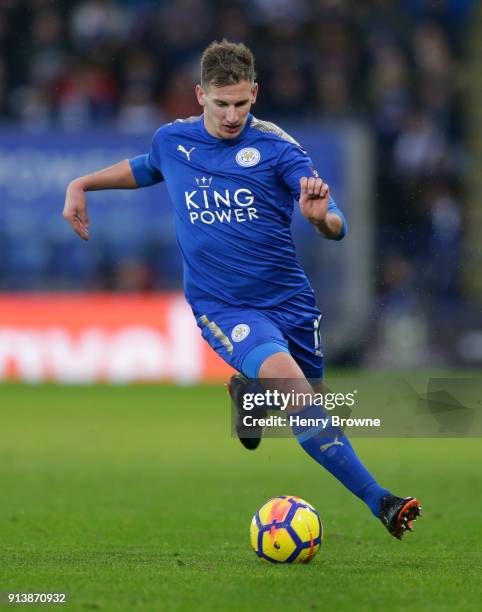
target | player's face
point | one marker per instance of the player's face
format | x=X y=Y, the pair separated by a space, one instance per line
x=226 y=108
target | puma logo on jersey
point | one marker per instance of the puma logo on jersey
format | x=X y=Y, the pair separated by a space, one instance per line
x=186 y=153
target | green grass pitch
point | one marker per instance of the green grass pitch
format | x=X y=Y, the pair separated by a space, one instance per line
x=137 y=498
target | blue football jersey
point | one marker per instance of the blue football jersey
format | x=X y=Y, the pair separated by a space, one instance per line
x=233 y=203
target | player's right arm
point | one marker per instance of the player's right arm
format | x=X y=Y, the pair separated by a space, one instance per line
x=127 y=174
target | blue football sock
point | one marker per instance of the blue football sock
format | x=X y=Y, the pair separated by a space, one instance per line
x=331 y=448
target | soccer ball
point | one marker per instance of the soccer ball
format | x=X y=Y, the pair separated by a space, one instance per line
x=286 y=529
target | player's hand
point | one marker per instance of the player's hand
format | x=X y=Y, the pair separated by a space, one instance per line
x=314 y=199
x=75 y=209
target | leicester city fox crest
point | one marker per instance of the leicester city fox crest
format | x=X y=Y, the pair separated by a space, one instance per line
x=240 y=332
x=247 y=157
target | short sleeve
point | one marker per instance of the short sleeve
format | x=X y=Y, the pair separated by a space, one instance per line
x=154 y=156
x=144 y=173
x=147 y=168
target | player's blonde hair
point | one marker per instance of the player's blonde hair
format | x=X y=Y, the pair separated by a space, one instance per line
x=226 y=63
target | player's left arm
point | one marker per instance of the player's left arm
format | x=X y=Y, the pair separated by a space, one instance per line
x=298 y=173
x=319 y=209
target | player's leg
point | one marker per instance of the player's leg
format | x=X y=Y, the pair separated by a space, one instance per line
x=300 y=319
x=329 y=447
x=248 y=381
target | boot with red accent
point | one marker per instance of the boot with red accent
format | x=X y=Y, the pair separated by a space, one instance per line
x=398 y=514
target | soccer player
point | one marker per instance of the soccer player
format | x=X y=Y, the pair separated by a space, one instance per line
x=233 y=180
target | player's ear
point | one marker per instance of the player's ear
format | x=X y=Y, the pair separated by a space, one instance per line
x=254 y=93
x=201 y=95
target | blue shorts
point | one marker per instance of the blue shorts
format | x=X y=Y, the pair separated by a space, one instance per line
x=245 y=337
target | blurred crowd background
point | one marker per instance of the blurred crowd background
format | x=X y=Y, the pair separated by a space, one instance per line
x=396 y=67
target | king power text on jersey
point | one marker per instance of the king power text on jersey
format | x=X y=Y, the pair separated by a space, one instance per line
x=223 y=207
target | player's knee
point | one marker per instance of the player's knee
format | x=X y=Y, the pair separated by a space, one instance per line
x=254 y=361
x=280 y=365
